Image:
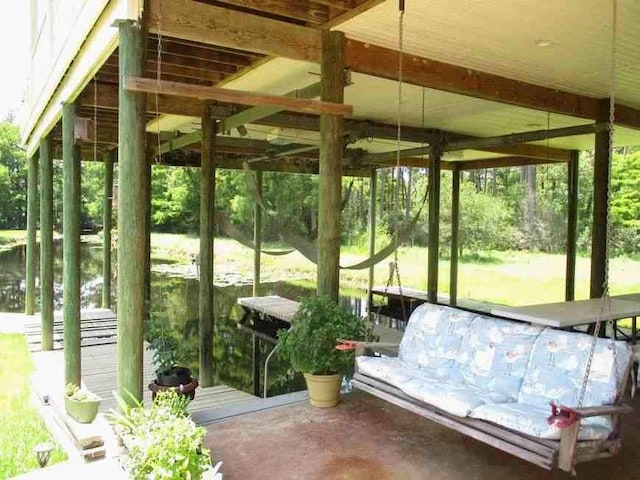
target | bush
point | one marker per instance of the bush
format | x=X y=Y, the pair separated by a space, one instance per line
x=310 y=342
x=161 y=441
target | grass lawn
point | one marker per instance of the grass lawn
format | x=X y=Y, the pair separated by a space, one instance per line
x=11 y=238
x=21 y=427
x=512 y=278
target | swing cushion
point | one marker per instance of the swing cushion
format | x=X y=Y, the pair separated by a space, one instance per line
x=433 y=338
x=495 y=354
x=532 y=420
x=555 y=373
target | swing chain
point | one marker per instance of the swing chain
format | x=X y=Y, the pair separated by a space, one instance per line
x=606 y=300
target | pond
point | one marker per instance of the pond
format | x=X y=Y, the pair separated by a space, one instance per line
x=174 y=312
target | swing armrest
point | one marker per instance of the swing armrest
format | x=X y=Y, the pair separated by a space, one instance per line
x=604 y=410
x=363 y=348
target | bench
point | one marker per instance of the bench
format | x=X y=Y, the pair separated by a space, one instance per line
x=493 y=380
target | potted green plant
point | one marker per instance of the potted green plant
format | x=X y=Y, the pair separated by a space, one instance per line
x=310 y=343
x=80 y=404
x=169 y=374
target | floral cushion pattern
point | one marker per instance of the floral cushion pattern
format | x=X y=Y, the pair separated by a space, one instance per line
x=391 y=370
x=557 y=368
x=532 y=420
x=433 y=337
x=495 y=354
x=454 y=398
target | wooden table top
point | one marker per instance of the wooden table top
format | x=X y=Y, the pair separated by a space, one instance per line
x=569 y=314
x=272 y=305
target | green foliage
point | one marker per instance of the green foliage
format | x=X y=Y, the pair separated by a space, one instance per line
x=79 y=395
x=625 y=203
x=165 y=342
x=161 y=441
x=13 y=178
x=310 y=342
x=176 y=403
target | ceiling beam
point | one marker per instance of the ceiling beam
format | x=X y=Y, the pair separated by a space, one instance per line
x=501 y=162
x=199 y=22
x=383 y=62
x=227 y=95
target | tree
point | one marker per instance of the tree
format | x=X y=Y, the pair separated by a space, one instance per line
x=13 y=178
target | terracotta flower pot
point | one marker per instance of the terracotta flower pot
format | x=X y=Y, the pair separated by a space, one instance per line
x=324 y=390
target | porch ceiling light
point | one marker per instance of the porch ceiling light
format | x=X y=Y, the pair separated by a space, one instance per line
x=544 y=42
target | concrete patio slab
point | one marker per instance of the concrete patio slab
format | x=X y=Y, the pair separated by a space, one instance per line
x=365 y=439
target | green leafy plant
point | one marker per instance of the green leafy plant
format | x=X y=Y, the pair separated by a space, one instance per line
x=161 y=441
x=310 y=342
x=79 y=395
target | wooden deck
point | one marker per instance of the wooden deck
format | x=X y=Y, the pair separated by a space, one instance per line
x=98 y=326
x=99 y=363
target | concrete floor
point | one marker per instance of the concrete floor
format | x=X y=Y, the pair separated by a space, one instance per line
x=368 y=439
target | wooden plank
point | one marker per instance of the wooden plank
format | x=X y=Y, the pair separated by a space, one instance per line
x=149 y=85
x=330 y=172
x=383 y=62
x=573 y=177
x=205 y=284
x=500 y=162
x=46 y=243
x=204 y=23
x=311 y=12
x=132 y=224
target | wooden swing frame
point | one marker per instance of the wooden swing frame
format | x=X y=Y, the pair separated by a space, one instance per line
x=563 y=454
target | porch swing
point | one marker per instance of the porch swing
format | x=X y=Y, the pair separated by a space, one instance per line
x=493 y=379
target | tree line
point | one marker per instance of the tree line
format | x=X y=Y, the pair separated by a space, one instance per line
x=511 y=208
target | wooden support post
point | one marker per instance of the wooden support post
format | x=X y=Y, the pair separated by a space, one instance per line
x=107 y=223
x=46 y=242
x=373 y=194
x=600 y=228
x=71 y=246
x=132 y=225
x=330 y=171
x=435 y=157
x=572 y=224
x=257 y=236
x=207 y=206
x=455 y=226
x=32 y=226
x=256 y=366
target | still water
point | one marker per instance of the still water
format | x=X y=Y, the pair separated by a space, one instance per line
x=174 y=315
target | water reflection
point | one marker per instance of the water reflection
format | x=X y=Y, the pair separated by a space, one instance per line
x=174 y=314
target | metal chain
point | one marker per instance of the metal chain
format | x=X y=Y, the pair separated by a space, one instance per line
x=605 y=302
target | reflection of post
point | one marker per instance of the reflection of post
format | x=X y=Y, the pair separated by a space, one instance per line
x=256 y=366
x=257 y=236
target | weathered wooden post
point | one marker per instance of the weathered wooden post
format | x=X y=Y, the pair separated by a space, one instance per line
x=107 y=223
x=71 y=245
x=373 y=194
x=599 y=227
x=435 y=155
x=207 y=206
x=572 y=224
x=32 y=226
x=132 y=225
x=46 y=242
x=455 y=227
x=257 y=236
x=330 y=172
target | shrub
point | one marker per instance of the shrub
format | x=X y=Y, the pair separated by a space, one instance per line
x=161 y=441
x=310 y=342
